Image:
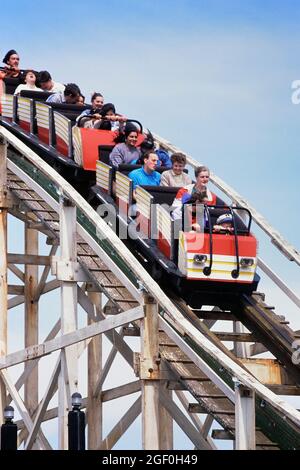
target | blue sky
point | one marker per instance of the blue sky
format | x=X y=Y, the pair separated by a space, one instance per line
x=213 y=77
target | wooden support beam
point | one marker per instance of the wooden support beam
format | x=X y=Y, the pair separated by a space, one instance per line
x=15 y=290
x=39 y=350
x=17 y=272
x=213 y=315
x=121 y=391
x=29 y=258
x=244 y=418
x=21 y=407
x=44 y=276
x=231 y=336
x=184 y=423
x=221 y=434
x=197 y=408
x=166 y=438
x=202 y=428
x=43 y=405
x=149 y=374
x=121 y=427
x=94 y=419
x=31 y=323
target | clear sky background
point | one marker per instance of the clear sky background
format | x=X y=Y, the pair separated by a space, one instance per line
x=214 y=77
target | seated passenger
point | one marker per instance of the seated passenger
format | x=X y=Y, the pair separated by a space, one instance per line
x=176 y=176
x=97 y=101
x=47 y=84
x=224 y=223
x=146 y=176
x=197 y=219
x=126 y=152
x=69 y=96
x=30 y=80
x=106 y=119
x=149 y=144
x=11 y=70
x=81 y=100
x=202 y=179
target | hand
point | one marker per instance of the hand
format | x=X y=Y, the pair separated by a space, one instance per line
x=96 y=116
x=122 y=118
x=196 y=227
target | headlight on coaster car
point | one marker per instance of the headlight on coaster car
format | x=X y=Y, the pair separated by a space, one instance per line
x=246 y=262
x=200 y=259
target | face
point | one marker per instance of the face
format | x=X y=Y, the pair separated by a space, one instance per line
x=70 y=99
x=14 y=60
x=110 y=113
x=150 y=163
x=80 y=101
x=132 y=138
x=178 y=168
x=98 y=102
x=226 y=225
x=46 y=85
x=203 y=178
x=30 y=78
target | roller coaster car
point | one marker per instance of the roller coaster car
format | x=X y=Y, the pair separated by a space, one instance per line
x=205 y=268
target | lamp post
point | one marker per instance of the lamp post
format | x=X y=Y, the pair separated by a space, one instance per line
x=76 y=424
x=9 y=430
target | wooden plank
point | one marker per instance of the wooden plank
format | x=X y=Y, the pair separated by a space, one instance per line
x=31 y=314
x=121 y=391
x=94 y=418
x=55 y=344
x=33 y=259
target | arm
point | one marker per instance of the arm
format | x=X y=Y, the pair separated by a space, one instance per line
x=164 y=179
x=116 y=156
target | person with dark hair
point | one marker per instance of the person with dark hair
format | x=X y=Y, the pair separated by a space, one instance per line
x=88 y=116
x=30 y=83
x=176 y=176
x=47 y=84
x=107 y=119
x=11 y=61
x=149 y=144
x=147 y=174
x=126 y=152
x=81 y=100
x=69 y=96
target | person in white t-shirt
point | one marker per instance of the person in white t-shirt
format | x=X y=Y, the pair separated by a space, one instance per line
x=47 y=84
x=30 y=80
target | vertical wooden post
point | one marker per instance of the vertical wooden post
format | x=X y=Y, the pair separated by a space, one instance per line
x=66 y=272
x=94 y=419
x=241 y=349
x=3 y=267
x=31 y=317
x=149 y=374
x=165 y=424
x=244 y=418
